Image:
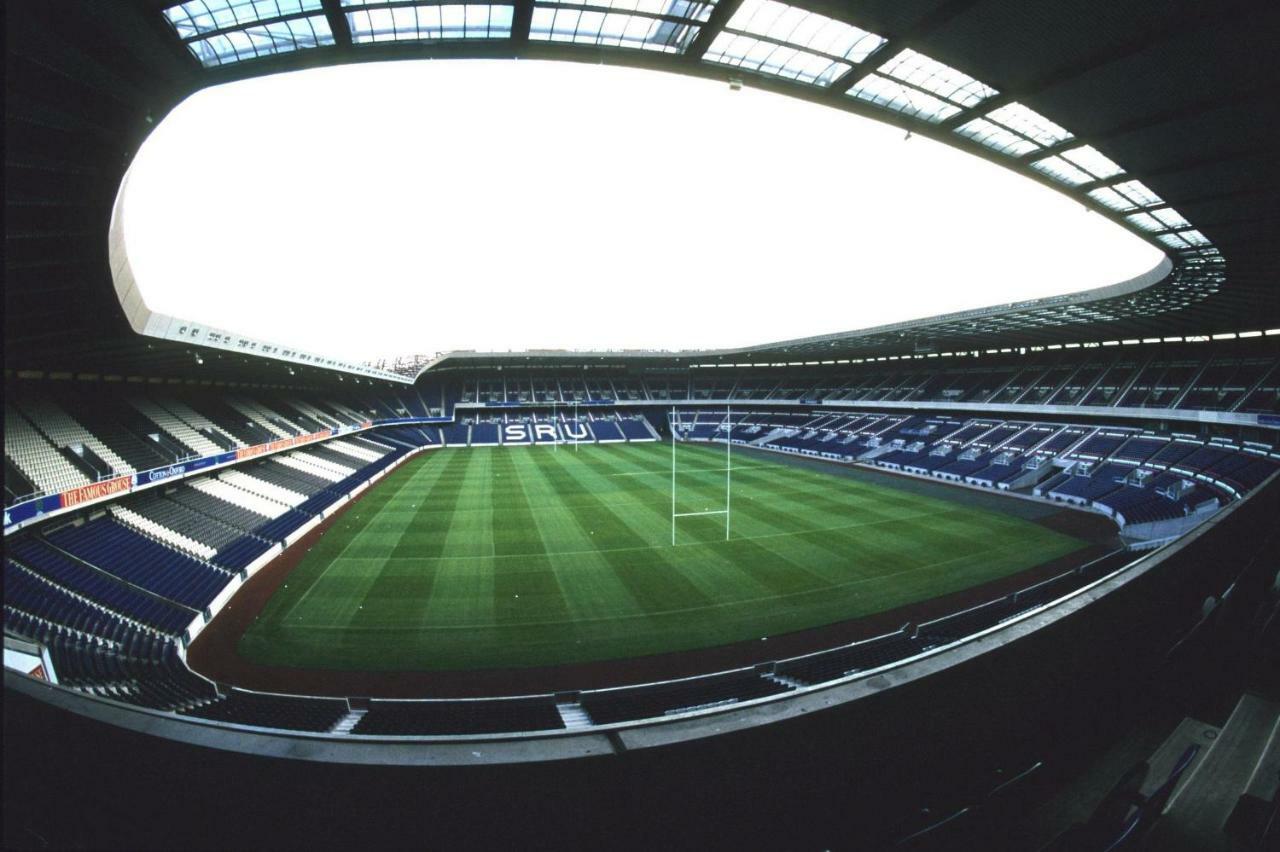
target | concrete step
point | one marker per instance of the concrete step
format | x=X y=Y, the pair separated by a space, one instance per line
x=1254 y=814
x=347 y=722
x=1197 y=813
x=574 y=715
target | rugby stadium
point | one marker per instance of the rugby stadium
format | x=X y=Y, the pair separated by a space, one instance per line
x=998 y=577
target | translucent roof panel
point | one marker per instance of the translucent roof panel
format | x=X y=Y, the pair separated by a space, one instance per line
x=263 y=40
x=1108 y=197
x=1146 y=222
x=769 y=57
x=800 y=28
x=1062 y=171
x=668 y=27
x=1092 y=161
x=1170 y=218
x=429 y=23
x=1194 y=237
x=937 y=79
x=1137 y=192
x=1029 y=123
x=904 y=99
x=996 y=137
x=1173 y=241
x=201 y=17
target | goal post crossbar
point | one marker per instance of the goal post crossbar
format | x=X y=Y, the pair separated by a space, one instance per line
x=728 y=475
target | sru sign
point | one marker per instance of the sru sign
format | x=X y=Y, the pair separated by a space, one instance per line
x=523 y=433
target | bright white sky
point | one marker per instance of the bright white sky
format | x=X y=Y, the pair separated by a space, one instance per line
x=415 y=207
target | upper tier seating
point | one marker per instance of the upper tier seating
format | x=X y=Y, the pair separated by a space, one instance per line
x=272 y=422
x=37 y=459
x=136 y=439
x=1173 y=377
x=63 y=431
x=191 y=427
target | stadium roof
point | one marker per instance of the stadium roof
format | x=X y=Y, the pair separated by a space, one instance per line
x=1157 y=115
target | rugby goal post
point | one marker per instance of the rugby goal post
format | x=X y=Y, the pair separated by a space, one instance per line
x=728 y=476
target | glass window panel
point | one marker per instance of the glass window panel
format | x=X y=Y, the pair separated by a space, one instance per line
x=1173 y=241
x=199 y=17
x=1060 y=170
x=1108 y=197
x=181 y=22
x=938 y=79
x=1029 y=123
x=404 y=19
x=554 y=24
x=800 y=28
x=500 y=19
x=904 y=99
x=1194 y=237
x=1092 y=161
x=1170 y=218
x=996 y=137
x=591 y=22
x=619 y=28
x=613 y=26
x=1138 y=192
x=430 y=22
x=1146 y=222
x=636 y=28
x=227 y=17
x=266 y=40
x=453 y=21
x=769 y=58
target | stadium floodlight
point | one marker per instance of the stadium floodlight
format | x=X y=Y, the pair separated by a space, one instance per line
x=728 y=474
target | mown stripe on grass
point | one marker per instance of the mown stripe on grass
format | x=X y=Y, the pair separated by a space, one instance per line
x=463 y=589
x=523 y=589
x=653 y=578
x=586 y=582
x=401 y=589
x=360 y=523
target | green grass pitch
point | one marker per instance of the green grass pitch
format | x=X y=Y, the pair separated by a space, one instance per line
x=529 y=556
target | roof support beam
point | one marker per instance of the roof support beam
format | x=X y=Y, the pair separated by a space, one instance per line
x=521 y=21
x=720 y=16
x=877 y=58
x=337 y=23
x=895 y=43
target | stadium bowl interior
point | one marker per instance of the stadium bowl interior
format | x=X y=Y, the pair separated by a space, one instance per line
x=999 y=579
